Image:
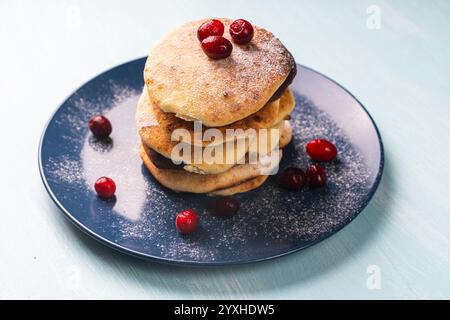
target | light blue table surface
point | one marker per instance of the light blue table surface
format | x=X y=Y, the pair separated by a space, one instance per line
x=399 y=247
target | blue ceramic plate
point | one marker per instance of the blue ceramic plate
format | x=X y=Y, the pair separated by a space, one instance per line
x=271 y=222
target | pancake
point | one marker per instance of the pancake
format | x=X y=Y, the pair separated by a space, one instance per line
x=239 y=152
x=156 y=128
x=162 y=162
x=241 y=187
x=155 y=125
x=183 y=181
x=181 y=79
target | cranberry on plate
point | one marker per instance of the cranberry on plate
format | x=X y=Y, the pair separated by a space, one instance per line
x=226 y=206
x=321 y=150
x=186 y=221
x=105 y=187
x=316 y=175
x=241 y=31
x=100 y=126
x=292 y=179
x=217 y=47
x=212 y=27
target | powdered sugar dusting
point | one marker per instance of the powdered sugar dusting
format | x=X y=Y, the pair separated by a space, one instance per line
x=82 y=108
x=181 y=79
x=65 y=170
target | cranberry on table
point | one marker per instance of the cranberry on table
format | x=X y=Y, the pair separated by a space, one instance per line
x=217 y=47
x=241 y=31
x=212 y=27
x=186 y=221
x=226 y=206
x=321 y=150
x=100 y=126
x=292 y=179
x=105 y=187
x=317 y=176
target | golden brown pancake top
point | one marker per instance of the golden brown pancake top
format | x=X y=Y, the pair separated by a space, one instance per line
x=181 y=79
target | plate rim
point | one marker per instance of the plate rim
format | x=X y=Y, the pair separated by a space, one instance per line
x=178 y=262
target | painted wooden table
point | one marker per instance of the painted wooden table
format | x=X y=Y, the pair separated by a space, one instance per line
x=393 y=55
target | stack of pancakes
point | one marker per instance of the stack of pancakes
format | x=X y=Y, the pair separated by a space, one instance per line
x=248 y=90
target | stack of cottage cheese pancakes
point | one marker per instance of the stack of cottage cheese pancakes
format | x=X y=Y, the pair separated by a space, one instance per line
x=215 y=126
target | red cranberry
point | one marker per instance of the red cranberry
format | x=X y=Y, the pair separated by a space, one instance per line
x=241 y=31
x=105 y=187
x=100 y=126
x=186 y=221
x=317 y=176
x=292 y=179
x=321 y=150
x=212 y=27
x=217 y=47
x=226 y=206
